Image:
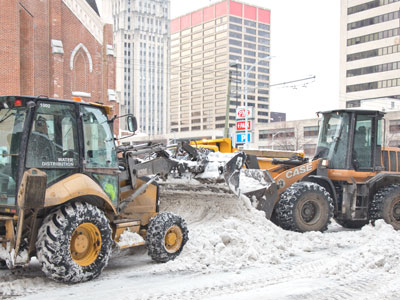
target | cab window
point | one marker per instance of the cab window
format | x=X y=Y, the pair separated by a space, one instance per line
x=362 y=151
x=98 y=139
x=53 y=140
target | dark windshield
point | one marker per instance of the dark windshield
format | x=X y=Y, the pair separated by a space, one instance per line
x=12 y=118
x=333 y=139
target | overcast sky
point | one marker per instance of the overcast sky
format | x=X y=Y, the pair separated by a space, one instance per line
x=304 y=42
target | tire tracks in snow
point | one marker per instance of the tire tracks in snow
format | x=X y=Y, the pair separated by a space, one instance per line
x=365 y=284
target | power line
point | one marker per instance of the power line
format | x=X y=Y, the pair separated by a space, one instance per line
x=293 y=81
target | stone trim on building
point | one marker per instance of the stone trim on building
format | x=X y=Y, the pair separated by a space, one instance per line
x=88 y=17
x=76 y=49
x=57 y=47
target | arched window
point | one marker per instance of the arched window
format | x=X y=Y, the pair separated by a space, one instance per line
x=81 y=65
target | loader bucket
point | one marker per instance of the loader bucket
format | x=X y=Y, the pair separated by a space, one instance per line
x=256 y=184
x=232 y=172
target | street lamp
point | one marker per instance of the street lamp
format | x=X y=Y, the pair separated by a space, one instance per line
x=273 y=138
x=246 y=77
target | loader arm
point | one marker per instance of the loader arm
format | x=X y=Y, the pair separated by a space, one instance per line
x=259 y=186
x=288 y=177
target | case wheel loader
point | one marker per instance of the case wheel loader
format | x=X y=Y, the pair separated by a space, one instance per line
x=68 y=194
x=352 y=177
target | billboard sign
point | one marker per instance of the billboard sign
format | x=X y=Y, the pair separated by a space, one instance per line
x=241 y=138
x=241 y=112
x=240 y=125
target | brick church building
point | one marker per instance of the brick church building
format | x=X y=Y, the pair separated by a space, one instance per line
x=56 y=48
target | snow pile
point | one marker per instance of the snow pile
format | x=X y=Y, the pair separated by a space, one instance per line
x=229 y=234
x=129 y=238
x=225 y=233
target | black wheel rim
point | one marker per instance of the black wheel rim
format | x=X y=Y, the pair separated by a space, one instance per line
x=396 y=211
x=309 y=211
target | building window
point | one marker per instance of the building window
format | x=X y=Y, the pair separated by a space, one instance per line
x=263 y=33
x=263 y=41
x=250 y=38
x=374 y=52
x=364 y=86
x=235 y=50
x=263 y=48
x=235 y=35
x=374 y=69
x=394 y=126
x=250 y=30
x=235 y=43
x=235 y=27
x=373 y=36
x=310 y=131
x=368 y=5
x=249 y=23
x=249 y=53
x=235 y=19
x=374 y=20
x=249 y=45
x=263 y=26
x=249 y=60
x=234 y=58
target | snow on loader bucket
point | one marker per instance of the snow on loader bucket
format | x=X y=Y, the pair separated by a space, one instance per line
x=265 y=176
x=256 y=184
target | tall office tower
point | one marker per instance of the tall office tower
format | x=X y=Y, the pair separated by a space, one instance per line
x=206 y=47
x=370 y=51
x=141 y=34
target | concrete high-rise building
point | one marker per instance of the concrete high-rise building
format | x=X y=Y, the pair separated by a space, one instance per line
x=207 y=46
x=141 y=34
x=370 y=51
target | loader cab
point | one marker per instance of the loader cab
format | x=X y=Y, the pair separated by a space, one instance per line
x=13 y=113
x=350 y=140
x=58 y=137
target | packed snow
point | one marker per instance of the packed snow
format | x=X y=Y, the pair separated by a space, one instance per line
x=128 y=238
x=234 y=252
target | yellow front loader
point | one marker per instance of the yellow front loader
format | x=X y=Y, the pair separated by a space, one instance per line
x=352 y=177
x=68 y=194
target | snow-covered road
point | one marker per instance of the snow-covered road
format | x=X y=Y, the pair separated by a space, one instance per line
x=235 y=253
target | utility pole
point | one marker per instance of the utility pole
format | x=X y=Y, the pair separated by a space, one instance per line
x=228 y=102
x=246 y=77
x=228 y=98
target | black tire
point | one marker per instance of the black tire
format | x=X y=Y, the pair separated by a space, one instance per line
x=305 y=206
x=158 y=232
x=386 y=205
x=3 y=264
x=58 y=238
x=353 y=224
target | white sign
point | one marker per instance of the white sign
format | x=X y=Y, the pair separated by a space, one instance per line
x=241 y=112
